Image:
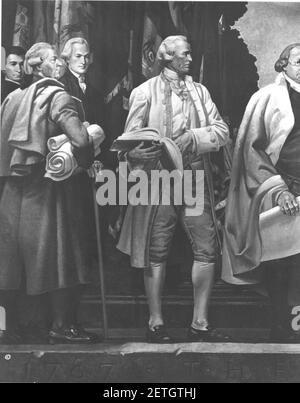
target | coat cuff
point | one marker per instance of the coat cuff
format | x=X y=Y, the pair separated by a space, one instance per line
x=205 y=140
x=278 y=193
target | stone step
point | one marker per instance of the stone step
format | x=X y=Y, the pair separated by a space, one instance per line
x=137 y=362
x=226 y=310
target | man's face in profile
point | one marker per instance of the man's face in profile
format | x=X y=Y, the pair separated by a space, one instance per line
x=292 y=70
x=51 y=65
x=14 y=69
x=182 y=58
x=61 y=68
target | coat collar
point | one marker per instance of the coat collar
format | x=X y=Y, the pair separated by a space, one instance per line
x=282 y=79
x=293 y=84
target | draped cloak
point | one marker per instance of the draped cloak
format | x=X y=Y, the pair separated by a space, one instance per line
x=267 y=123
x=46 y=228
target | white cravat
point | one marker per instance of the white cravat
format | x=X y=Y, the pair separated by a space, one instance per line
x=177 y=83
x=81 y=80
x=82 y=83
x=178 y=86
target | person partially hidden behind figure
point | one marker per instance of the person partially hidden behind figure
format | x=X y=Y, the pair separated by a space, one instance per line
x=43 y=228
x=266 y=166
x=13 y=76
x=183 y=111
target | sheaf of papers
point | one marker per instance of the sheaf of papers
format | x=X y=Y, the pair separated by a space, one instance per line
x=280 y=234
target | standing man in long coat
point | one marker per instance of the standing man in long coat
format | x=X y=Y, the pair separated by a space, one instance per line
x=44 y=231
x=266 y=171
x=183 y=111
x=77 y=56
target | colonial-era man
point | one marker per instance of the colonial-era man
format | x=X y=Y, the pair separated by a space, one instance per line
x=266 y=166
x=44 y=231
x=182 y=110
x=77 y=56
x=14 y=71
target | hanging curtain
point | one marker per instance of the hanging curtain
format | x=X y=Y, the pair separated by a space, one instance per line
x=22 y=34
x=9 y=8
x=71 y=19
x=161 y=19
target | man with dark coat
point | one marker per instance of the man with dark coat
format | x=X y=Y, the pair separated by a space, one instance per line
x=13 y=76
x=78 y=82
x=77 y=56
x=44 y=230
x=266 y=171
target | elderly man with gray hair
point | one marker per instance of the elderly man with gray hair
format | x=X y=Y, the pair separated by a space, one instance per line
x=266 y=167
x=44 y=229
x=182 y=110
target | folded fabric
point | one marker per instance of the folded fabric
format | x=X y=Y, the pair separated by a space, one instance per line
x=98 y=136
x=60 y=162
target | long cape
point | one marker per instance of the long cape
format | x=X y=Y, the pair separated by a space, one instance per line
x=267 y=122
x=23 y=127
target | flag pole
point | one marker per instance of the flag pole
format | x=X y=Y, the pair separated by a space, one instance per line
x=97 y=168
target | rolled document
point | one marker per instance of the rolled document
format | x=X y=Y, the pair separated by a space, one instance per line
x=280 y=234
x=54 y=143
x=60 y=162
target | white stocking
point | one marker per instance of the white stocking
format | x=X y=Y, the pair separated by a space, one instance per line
x=202 y=278
x=154 y=278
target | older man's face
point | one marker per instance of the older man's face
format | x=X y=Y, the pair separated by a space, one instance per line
x=51 y=65
x=182 y=59
x=14 y=69
x=293 y=68
x=79 y=59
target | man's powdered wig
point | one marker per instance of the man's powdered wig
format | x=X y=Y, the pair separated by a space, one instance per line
x=283 y=60
x=36 y=55
x=67 y=50
x=166 y=50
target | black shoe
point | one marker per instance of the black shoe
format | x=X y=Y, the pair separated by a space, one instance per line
x=282 y=335
x=10 y=337
x=158 y=335
x=210 y=335
x=73 y=334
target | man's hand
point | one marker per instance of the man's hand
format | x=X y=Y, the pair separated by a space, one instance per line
x=139 y=154
x=185 y=142
x=288 y=203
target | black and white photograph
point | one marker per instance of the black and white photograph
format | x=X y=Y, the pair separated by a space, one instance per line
x=150 y=194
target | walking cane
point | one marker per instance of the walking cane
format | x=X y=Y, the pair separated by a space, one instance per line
x=96 y=169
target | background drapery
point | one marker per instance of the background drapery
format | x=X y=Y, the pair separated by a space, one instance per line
x=124 y=37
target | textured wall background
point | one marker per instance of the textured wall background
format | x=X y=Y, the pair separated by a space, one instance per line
x=267 y=28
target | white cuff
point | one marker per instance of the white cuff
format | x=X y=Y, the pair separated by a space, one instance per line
x=205 y=140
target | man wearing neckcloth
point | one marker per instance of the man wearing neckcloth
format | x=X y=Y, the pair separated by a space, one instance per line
x=266 y=170
x=182 y=110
